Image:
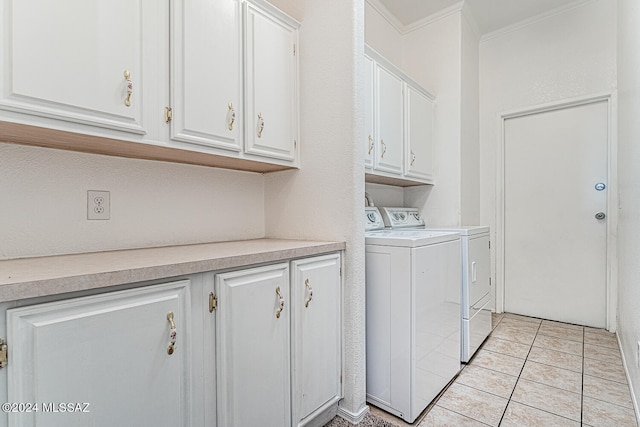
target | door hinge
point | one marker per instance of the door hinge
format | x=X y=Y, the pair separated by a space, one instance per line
x=294 y=49
x=295 y=144
x=489 y=244
x=168 y=114
x=3 y=353
x=213 y=302
x=489 y=281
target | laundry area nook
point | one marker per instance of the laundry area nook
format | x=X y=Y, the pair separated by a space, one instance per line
x=319 y=213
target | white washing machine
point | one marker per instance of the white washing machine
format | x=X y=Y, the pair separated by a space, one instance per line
x=413 y=313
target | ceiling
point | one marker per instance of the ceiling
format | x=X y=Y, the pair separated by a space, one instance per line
x=489 y=15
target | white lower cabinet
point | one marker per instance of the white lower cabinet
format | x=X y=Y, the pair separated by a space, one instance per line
x=254 y=346
x=279 y=344
x=253 y=359
x=111 y=356
x=316 y=338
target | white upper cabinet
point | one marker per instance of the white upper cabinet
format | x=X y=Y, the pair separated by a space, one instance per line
x=419 y=137
x=389 y=106
x=206 y=73
x=369 y=121
x=211 y=82
x=271 y=89
x=399 y=118
x=78 y=61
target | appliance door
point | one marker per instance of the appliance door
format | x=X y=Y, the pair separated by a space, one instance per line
x=479 y=269
x=477 y=328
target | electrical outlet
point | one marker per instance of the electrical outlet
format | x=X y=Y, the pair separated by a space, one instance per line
x=98 y=204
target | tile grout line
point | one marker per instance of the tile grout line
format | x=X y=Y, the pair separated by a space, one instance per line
x=519 y=375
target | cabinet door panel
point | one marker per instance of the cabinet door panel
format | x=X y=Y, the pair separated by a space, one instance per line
x=390 y=122
x=419 y=155
x=108 y=350
x=369 y=121
x=66 y=60
x=206 y=73
x=271 y=84
x=315 y=297
x=254 y=370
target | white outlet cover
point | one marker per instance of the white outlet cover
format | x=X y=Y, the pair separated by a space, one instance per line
x=98 y=204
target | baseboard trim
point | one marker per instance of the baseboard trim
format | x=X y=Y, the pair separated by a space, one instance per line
x=353 y=417
x=634 y=400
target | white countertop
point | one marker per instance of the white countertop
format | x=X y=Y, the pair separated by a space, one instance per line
x=33 y=277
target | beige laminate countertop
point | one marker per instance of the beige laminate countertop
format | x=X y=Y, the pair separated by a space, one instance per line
x=34 y=277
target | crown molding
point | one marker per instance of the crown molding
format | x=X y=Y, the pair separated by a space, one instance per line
x=529 y=21
x=404 y=29
x=386 y=14
x=444 y=13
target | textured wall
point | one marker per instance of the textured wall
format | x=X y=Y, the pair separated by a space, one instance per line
x=563 y=56
x=432 y=56
x=629 y=183
x=470 y=128
x=44 y=203
x=324 y=199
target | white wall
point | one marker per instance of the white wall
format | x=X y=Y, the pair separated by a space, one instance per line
x=629 y=183
x=44 y=203
x=469 y=117
x=568 y=55
x=325 y=198
x=432 y=57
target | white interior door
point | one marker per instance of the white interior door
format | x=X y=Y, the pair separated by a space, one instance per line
x=554 y=247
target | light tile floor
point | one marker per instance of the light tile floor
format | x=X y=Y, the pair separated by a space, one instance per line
x=532 y=372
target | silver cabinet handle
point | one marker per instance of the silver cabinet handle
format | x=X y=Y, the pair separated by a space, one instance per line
x=172 y=334
x=310 y=297
x=232 y=116
x=127 y=77
x=384 y=148
x=281 y=303
x=260 y=125
x=600 y=216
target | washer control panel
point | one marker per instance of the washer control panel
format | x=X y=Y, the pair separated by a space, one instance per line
x=373 y=220
x=402 y=218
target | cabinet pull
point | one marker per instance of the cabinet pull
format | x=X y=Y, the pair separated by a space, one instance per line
x=308 y=300
x=232 y=116
x=260 y=125
x=384 y=148
x=127 y=76
x=172 y=334
x=413 y=157
x=370 y=145
x=281 y=306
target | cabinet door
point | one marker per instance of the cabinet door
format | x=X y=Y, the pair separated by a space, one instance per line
x=315 y=296
x=271 y=82
x=68 y=60
x=206 y=73
x=419 y=152
x=253 y=358
x=108 y=350
x=369 y=113
x=390 y=121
